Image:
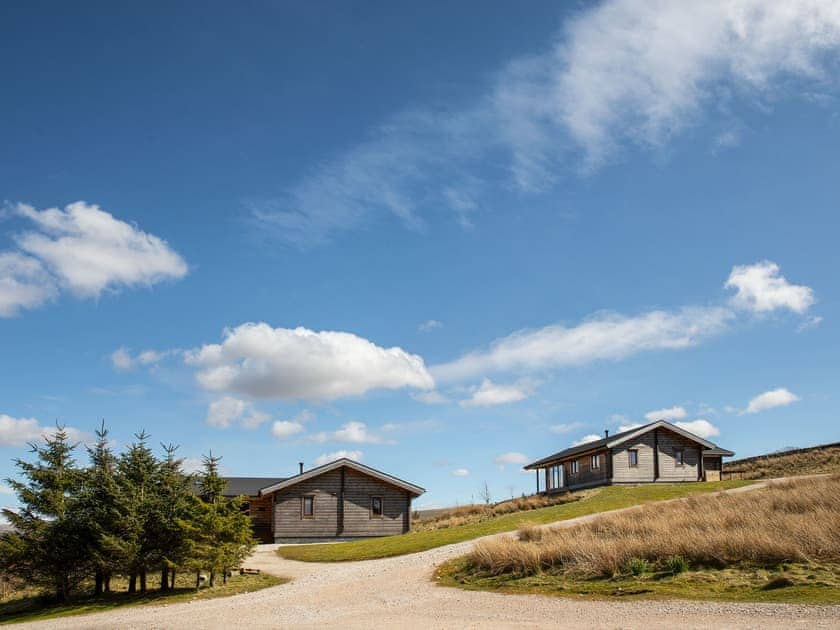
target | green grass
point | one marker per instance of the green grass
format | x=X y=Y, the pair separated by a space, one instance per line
x=610 y=498
x=794 y=583
x=32 y=607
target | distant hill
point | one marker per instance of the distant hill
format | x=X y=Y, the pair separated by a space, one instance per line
x=789 y=461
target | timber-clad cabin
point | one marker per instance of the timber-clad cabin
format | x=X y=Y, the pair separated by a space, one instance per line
x=659 y=452
x=342 y=499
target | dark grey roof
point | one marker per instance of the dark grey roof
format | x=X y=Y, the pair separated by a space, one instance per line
x=581 y=448
x=718 y=451
x=249 y=486
x=617 y=437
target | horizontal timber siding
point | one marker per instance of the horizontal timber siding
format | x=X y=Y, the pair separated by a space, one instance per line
x=288 y=518
x=586 y=476
x=668 y=470
x=622 y=471
x=358 y=489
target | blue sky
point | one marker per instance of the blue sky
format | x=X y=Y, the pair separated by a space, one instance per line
x=443 y=240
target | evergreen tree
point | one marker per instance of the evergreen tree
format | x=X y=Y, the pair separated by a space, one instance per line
x=171 y=506
x=102 y=508
x=47 y=545
x=138 y=469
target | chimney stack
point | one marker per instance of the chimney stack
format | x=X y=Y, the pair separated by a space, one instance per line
x=300 y=464
x=606 y=433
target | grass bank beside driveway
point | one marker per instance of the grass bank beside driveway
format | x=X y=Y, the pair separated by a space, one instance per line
x=609 y=498
x=779 y=543
x=33 y=607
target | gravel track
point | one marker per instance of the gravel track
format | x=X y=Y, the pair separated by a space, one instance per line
x=397 y=592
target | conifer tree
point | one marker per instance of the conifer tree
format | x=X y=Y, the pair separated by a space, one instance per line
x=47 y=546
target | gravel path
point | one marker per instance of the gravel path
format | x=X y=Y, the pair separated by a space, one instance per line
x=398 y=593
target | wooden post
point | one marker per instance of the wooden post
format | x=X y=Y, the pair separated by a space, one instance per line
x=538 y=480
x=340 y=517
x=701 y=474
x=655 y=454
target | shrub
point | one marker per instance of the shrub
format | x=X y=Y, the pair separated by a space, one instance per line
x=637 y=566
x=677 y=564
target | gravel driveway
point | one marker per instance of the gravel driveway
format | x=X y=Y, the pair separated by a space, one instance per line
x=397 y=593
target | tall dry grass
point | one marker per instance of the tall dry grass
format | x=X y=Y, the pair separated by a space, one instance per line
x=819 y=459
x=794 y=521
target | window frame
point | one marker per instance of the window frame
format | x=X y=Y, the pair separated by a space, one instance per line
x=679 y=457
x=633 y=454
x=595 y=462
x=381 y=514
x=303 y=513
x=574 y=467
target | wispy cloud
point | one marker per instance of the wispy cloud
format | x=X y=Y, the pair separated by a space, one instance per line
x=326 y=458
x=619 y=74
x=490 y=393
x=601 y=337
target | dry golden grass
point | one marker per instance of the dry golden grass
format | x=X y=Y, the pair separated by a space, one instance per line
x=468 y=514
x=797 y=521
x=819 y=459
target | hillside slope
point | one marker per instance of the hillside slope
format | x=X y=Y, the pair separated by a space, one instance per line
x=803 y=461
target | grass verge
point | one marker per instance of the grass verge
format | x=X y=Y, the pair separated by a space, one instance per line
x=610 y=498
x=33 y=607
x=797 y=583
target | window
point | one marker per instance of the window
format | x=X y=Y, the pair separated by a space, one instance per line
x=679 y=457
x=376 y=507
x=573 y=467
x=555 y=479
x=307 y=509
x=594 y=462
x=634 y=457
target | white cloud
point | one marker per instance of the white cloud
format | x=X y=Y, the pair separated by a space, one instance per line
x=603 y=337
x=431 y=397
x=24 y=284
x=326 y=458
x=809 y=324
x=629 y=426
x=122 y=359
x=283 y=429
x=621 y=73
x=779 y=397
x=429 y=325
x=510 y=458
x=352 y=432
x=83 y=250
x=409 y=426
x=567 y=427
x=16 y=432
x=284 y=363
x=461 y=472
x=226 y=411
x=702 y=428
x=304 y=416
x=490 y=393
x=592 y=437
x=192 y=465
x=671 y=413
x=761 y=289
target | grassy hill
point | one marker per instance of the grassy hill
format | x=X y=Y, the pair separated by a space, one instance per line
x=777 y=544
x=803 y=461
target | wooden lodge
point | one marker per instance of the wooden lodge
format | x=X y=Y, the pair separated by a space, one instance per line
x=659 y=452
x=342 y=499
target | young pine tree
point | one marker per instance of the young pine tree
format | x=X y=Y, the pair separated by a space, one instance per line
x=138 y=470
x=46 y=546
x=102 y=508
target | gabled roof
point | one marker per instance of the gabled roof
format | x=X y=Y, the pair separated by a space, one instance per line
x=349 y=463
x=249 y=486
x=619 y=438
